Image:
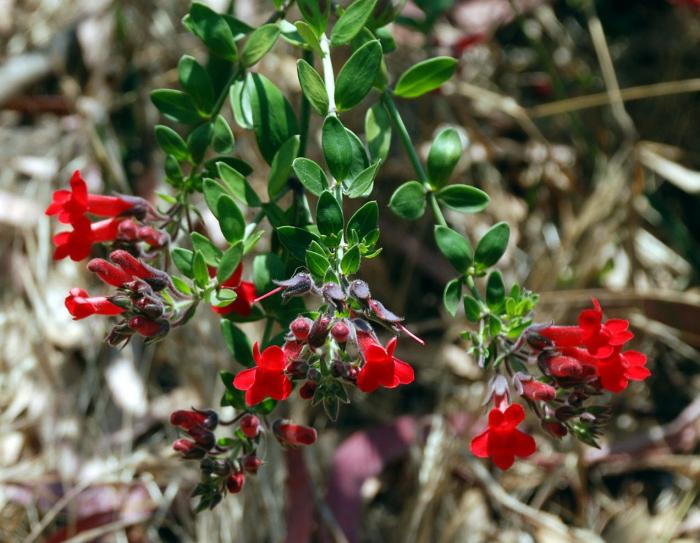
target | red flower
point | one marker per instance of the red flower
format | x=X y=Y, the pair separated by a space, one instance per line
x=71 y=205
x=538 y=391
x=502 y=441
x=245 y=292
x=267 y=378
x=76 y=243
x=616 y=371
x=381 y=368
x=108 y=272
x=80 y=305
x=130 y=264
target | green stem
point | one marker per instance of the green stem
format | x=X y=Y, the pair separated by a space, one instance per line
x=472 y=287
x=410 y=149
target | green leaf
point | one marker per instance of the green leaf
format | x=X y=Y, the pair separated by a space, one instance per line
x=267 y=268
x=273 y=118
x=290 y=34
x=309 y=36
x=238 y=345
x=408 y=201
x=212 y=192
x=171 y=142
x=229 y=262
x=230 y=219
x=365 y=220
x=329 y=214
x=200 y=270
x=296 y=240
x=472 y=309
x=444 y=154
x=359 y=156
x=175 y=105
x=212 y=29
x=425 y=77
x=281 y=166
x=315 y=12
x=363 y=183
x=240 y=104
x=455 y=247
x=196 y=82
x=495 y=291
x=336 y=146
x=238 y=28
x=182 y=259
x=463 y=198
x=310 y=175
x=378 y=132
x=357 y=75
x=352 y=21
x=173 y=172
x=238 y=185
x=198 y=141
x=492 y=246
x=222 y=137
x=351 y=261
x=259 y=43
x=312 y=86
x=181 y=285
x=452 y=296
x=318 y=264
x=209 y=251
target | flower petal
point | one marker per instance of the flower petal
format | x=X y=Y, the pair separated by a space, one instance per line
x=523 y=444
x=503 y=458
x=514 y=415
x=403 y=371
x=245 y=379
x=273 y=358
x=480 y=444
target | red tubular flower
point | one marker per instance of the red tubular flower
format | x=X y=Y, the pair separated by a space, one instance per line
x=293 y=435
x=147 y=327
x=267 y=378
x=70 y=205
x=616 y=371
x=81 y=305
x=502 y=441
x=76 y=243
x=381 y=368
x=189 y=419
x=108 y=272
x=245 y=294
x=130 y=264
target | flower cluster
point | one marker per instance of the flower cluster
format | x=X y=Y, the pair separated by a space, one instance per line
x=123 y=226
x=225 y=462
x=577 y=363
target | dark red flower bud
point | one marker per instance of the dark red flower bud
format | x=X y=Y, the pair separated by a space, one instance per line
x=340 y=332
x=351 y=373
x=337 y=368
x=308 y=390
x=297 y=369
x=202 y=436
x=147 y=327
x=557 y=429
x=313 y=374
x=319 y=331
x=251 y=463
x=300 y=327
x=154 y=237
x=189 y=449
x=538 y=391
x=187 y=419
x=128 y=230
x=565 y=366
x=293 y=435
x=130 y=263
x=250 y=425
x=108 y=272
x=536 y=341
x=235 y=482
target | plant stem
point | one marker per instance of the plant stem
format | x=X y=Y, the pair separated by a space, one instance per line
x=410 y=149
x=472 y=287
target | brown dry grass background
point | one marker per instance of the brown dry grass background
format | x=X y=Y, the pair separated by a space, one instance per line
x=582 y=126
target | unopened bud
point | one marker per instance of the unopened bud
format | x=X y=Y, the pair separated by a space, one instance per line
x=147 y=327
x=319 y=331
x=297 y=369
x=300 y=284
x=235 y=482
x=308 y=390
x=293 y=435
x=340 y=332
x=251 y=463
x=557 y=429
x=108 y=272
x=189 y=449
x=300 y=327
x=359 y=290
x=250 y=425
x=538 y=391
x=565 y=366
x=334 y=295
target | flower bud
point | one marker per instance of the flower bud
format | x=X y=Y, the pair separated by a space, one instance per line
x=334 y=295
x=297 y=369
x=340 y=332
x=536 y=341
x=313 y=374
x=251 y=463
x=319 y=331
x=130 y=264
x=203 y=437
x=359 y=290
x=300 y=327
x=250 y=425
x=235 y=482
x=189 y=449
x=128 y=230
x=297 y=285
x=556 y=429
x=187 y=419
x=564 y=366
x=293 y=435
x=351 y=373
x=308 y=390
x=108 y=272
x=154 y=237
x=337 y=368
x=538 y=391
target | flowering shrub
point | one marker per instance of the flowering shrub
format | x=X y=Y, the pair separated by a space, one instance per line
x=323 y=326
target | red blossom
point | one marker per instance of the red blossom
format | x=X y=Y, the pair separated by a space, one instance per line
x=81 y=305
x=267 y=378
x=147 y=327
x=250 y=425
x=538 y=391
x=235 y=481
x=130 y=264
x=293 y=435
x=77 y=243
x=502 y=441
x=71 y=205
x=381 y=368
x=108 y=272
x=245 y=294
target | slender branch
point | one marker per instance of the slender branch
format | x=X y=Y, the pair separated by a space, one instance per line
x=328 y=75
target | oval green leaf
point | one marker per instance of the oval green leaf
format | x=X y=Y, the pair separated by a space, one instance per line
x=357 y=75
x=444 y=154
x=337 y=147
x=463 y=198
x=425 y=77
x=492 y=246
x=408 y=201
x=312 y=86
x=310 y=175
x=455 y=248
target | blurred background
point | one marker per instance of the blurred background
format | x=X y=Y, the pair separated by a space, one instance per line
x=581 y=119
